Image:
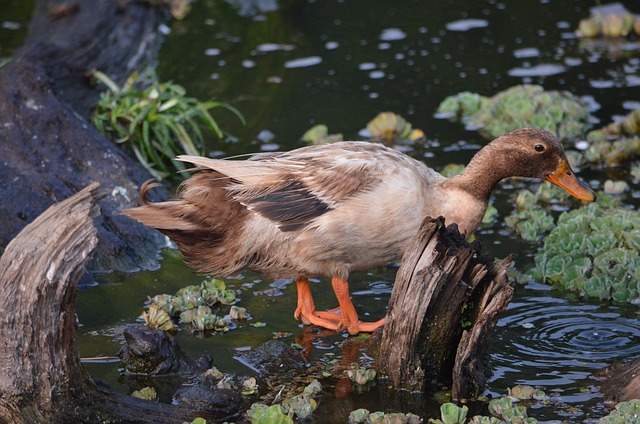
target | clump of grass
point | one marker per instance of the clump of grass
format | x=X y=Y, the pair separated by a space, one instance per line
x=158 y=122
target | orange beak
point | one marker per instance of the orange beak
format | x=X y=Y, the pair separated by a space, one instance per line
x=566 y=179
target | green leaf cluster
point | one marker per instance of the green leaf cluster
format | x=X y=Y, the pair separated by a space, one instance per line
x=319 y=134
x=616 y=143
x=531 y=218
x=614 y=25
x=193 y=305
x=558 y=112
x=146 y=393
x=386 y=127
x=593 y=251
x=158 y=122
x=451 y=413
x=389 y=127
x=625 y=413
x=502 y=411
x=362 y=416
x=300 y=407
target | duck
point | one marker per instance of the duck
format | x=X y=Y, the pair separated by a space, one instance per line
x=329 y=210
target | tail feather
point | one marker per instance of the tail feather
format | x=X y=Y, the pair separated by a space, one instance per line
x=200 y=221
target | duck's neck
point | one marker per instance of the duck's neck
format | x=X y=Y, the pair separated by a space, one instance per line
x=482 y=173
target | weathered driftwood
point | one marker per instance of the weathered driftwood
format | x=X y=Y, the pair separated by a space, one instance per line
x=49 y=150
x=442 y=283
x=41 y=378
x=621 y=382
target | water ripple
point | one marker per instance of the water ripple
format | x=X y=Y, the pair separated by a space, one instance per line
x=557 y=343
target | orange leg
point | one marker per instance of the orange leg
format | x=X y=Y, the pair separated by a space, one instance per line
x=350 y=319
x=306 y=309
x=336 y=319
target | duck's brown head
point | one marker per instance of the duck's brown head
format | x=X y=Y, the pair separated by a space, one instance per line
x=532 y=153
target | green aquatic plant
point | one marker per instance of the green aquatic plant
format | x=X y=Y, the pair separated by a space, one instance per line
x=158 y=318
x=158 y=122
x=625 y=413
x=192 y=304
x=616 y=143
x=451 y=413
x=299 y=407
x=259 y=413
x=532 y=218
x=525 y=392
x=558 y=112
x=360 y=375
x=364 y=416
x=593 y=250
x=390 y=127
x=462 y=106
x=608 y=21
x=319 y=134
x=146 y=393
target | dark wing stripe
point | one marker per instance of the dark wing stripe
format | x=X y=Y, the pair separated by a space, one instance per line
x=291 y=205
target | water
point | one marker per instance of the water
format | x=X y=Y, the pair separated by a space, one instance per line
x=299 y=63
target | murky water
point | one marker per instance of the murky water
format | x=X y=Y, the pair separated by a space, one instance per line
x=340 y=63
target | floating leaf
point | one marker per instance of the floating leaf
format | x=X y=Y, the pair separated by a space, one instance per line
x=625 y=412
x=391 y=127
x=158 y=318
x=319 y=134
x=453 y=414
x=146 y=393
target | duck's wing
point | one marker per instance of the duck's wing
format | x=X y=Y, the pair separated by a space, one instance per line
x=294 y=188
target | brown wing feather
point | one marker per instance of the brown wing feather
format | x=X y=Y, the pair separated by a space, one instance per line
x=306 y=183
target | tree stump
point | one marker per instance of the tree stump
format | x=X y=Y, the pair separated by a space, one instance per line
x=41 y=378
x=621 y=382
x=441 y=288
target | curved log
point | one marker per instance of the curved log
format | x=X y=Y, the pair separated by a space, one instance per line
x=41 y=377
x=442 y=283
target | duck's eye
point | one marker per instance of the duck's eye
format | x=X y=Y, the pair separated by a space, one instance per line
x=539 y=148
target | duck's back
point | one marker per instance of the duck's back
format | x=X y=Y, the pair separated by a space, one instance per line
x=318 y=210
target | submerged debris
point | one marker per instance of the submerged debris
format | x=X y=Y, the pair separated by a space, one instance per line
x=559 y=112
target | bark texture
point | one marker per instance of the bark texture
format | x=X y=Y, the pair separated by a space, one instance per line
x=49 y=150
x=41 y=377
x=444 y=305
